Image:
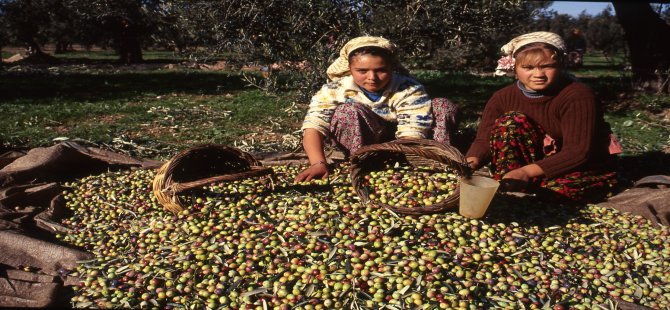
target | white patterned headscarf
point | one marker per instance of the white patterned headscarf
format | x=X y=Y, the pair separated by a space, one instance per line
x=506 y=63
x=340 y=67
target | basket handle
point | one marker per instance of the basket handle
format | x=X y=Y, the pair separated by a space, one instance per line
x=418 y=150
x=419 y=147
x=255 y=172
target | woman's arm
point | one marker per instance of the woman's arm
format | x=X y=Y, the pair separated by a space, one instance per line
x=315 y=127
x=313 y=144
x=321 y=108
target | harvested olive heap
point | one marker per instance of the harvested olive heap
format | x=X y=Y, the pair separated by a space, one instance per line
x=243 y=245
x=410 y=187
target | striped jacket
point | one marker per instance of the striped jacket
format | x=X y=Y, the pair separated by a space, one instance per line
x=404 y=102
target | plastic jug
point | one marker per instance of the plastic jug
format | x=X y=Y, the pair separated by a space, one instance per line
x=476 y=193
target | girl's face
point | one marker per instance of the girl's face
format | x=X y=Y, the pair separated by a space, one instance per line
x=370 y=72
x=538 y=76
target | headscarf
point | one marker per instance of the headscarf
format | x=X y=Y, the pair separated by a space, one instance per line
x=534 y=37
x=340 y=67
x=506 y=63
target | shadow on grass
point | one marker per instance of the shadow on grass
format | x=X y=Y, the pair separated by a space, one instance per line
x=105 y=85
x=469 y=92
x=608 y=88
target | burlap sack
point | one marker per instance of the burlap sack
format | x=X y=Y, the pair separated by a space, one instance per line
x=8 y=157
x=65 y=161
x=650 y=198
x=30 y=210
x=26 y=294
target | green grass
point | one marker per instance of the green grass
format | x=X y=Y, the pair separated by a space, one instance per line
x=111 y=55
x=597 y=65
x=638 y=132
x=154 y=112
x=160 y=112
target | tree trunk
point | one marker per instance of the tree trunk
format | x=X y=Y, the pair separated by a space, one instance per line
x=61 y=47
x=648 y=40
x=130 y=50
x=33 y=49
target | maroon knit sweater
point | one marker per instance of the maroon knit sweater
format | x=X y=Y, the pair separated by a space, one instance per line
x=568 y=114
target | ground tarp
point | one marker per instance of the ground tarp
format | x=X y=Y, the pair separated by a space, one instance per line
x=34 y=265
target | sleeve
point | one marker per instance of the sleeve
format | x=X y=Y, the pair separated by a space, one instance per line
x=480 y=146
x=413 y=111
x=578 y=115
x=321 y=109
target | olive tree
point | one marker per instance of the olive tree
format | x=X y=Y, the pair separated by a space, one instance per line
x=4 y=32
x=305 y=35
x=126 y=24
x=28 y=22
x=646 y=35
x=604 y=33
x=296 y=36
x=452 y=34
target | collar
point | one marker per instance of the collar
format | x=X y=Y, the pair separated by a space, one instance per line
x=529 y=93
x=348 y=84
x=373 y=96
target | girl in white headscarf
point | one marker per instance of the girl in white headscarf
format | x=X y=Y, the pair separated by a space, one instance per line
x=370 y=99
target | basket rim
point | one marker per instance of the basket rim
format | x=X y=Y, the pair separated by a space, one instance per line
x=448 y=156
x=165 y=189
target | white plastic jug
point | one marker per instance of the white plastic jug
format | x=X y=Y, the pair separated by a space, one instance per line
x=476 y=193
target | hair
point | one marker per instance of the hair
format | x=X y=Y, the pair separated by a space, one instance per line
x=535 y=53
x=385 y=54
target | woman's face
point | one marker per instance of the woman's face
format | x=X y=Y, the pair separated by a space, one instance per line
x=540 y=76
x=370 y=72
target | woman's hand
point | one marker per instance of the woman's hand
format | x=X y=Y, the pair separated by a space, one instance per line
x=315 y=171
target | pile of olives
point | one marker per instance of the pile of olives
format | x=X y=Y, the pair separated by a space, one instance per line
x=242 y=245
x=410 y=187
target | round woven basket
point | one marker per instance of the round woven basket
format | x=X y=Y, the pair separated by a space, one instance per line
x=199 y=166
x=414 y=152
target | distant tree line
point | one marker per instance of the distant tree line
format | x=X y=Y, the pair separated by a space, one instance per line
x=435 y=34
x=602 y=31
x=449 y=34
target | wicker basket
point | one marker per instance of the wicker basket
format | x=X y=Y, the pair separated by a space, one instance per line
x=416 y=153
x=199 y=166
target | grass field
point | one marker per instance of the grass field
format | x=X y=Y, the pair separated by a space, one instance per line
x=153 y=111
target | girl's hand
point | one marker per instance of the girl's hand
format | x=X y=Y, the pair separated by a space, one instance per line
x=517 y=174
x=525 y=173
x=473 y=162
x=315 y=171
